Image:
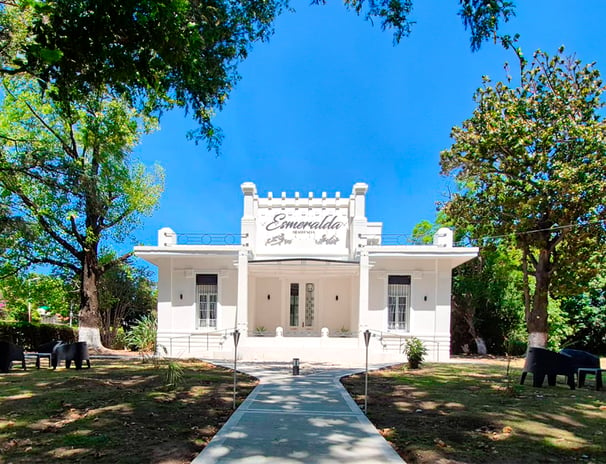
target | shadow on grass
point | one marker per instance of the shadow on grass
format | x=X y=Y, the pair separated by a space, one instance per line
x=463 y=413
x=115 y=412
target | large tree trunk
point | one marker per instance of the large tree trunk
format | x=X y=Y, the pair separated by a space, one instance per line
x=89 y=302
x=536 y=318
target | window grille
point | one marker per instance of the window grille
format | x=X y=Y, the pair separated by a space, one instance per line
x=398 y=302
x=206 y=288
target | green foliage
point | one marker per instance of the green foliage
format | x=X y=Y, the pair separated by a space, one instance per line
x=415 y=352
x=156 y=55
x=38 y=290
x=177 y=53
x=587 y=315
x=560 y=327
x=174 y=375
x=119 y=341
x=65 y=170
x=482 y=18
x=529 y=164
x=125 y=293
x=142 y=336
x=487 y=301
x=30 y=336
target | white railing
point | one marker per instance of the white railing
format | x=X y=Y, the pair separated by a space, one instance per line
x=208 y=338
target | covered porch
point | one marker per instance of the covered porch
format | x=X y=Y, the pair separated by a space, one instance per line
x=296 y=297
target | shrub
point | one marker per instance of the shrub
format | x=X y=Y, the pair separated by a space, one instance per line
x=415 y=352
x=31 y=335
x=142 y=337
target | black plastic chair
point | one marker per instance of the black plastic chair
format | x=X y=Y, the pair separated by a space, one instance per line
x=76 y=352
x=545 y=363
x=9 y=353
x=46 y=351
x=582 y=359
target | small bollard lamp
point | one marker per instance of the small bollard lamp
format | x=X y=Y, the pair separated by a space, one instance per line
x=295 y=366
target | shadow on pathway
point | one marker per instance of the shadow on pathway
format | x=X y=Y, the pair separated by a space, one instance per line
x=309 y=418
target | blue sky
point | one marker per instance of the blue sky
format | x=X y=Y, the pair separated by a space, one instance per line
x=330 y=101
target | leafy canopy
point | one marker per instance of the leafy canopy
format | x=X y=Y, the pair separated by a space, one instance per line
x=530 y=165
x=174 y=53
x=65 y=173
x=531 y=160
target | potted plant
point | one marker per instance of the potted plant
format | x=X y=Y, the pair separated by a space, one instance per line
x=415 y=352
x=260 y=331
x=344 y=332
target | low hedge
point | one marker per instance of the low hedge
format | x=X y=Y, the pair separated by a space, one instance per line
x=30 y=335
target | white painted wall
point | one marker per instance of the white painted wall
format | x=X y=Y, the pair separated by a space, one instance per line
x=263 y=311
x=334 y=313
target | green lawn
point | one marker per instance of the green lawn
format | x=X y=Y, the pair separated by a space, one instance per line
x=122 y=412
x=116 y=412
x=465 y=413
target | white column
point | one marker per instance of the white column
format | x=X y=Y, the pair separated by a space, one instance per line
x=363 y=294
x=242 y=308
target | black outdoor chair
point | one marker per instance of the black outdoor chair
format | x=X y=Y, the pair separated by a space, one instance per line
x=582 y=359
x=541 y=362
x=585 y=363
x=9 y=353
x=76 y=352
x=46 y=350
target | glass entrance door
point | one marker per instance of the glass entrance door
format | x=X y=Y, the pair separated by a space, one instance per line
x=302 y=307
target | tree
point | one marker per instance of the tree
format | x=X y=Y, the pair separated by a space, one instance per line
x=175 y=53
x=487 y=310
x=125 y=294
x=530 y=165
x=65 y=171
x=24 y=294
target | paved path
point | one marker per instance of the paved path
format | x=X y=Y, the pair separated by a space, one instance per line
x=309 y=418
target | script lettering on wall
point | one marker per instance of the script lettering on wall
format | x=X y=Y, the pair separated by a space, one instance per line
x=309 y=229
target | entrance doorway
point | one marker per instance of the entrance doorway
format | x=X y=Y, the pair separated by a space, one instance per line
x=302 y=308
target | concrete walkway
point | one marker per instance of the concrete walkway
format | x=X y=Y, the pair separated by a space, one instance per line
x=309 y=418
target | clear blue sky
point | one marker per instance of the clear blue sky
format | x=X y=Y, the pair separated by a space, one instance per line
x=330 y=101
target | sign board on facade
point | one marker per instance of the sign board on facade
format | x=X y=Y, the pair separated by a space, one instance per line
x=284 y=230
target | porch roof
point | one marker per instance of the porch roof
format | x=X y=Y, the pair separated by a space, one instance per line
x=455 y=255
x=153 y=254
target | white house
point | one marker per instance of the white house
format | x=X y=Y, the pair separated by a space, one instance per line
x=306 y=277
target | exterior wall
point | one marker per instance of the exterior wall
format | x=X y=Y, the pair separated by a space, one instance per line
x=429 y=311
x=265 y=311
x=325 y=241
x=335 y=305
x=177 y=306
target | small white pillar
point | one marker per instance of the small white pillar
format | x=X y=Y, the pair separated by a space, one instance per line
x=242 y=308
x=363 y=295
x=167 y=237
x=443 y=237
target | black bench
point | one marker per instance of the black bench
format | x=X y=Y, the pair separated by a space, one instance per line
x=76 y=352
x=9 y=353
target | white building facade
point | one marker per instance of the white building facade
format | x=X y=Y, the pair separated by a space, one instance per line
x=306 y=277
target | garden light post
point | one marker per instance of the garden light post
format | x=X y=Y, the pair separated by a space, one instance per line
x=366 y=341
x=236 y=340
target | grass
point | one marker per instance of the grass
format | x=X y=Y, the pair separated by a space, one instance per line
x=472 y=413
x=115 y=412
